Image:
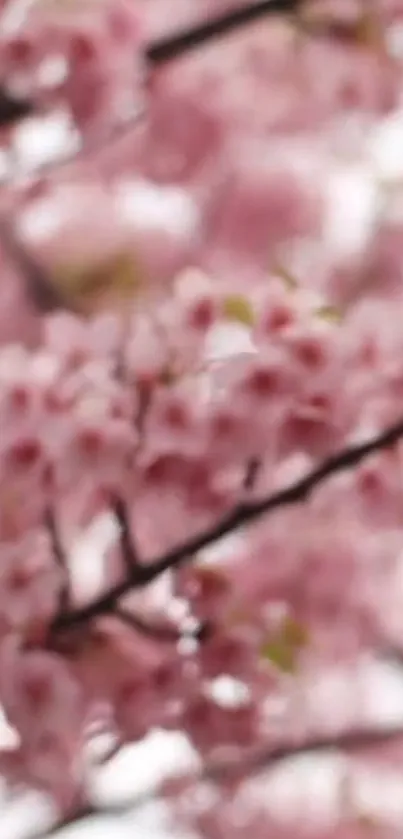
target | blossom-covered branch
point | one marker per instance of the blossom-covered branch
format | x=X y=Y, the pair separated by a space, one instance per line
x=244 y=514
x=218 y=342
x=159 y=52
x=174 y=46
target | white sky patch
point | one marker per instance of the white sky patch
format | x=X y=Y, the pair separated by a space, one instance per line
x=352 y=208
x=43 y=141
x=137 y=769
x=150 y=206
x=385 y=148
x=87 y=562
x=13 y=16
x=42 y=220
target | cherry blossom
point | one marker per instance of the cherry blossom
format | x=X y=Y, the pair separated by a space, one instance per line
x=190 y=352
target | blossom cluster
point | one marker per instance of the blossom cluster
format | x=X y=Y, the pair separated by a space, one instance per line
x=151 y=417
x=210 y=345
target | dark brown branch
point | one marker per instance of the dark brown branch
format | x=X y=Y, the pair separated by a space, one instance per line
x=158 y=632
x=13 y=109
x=60 y=559
x=166 y=49
x=243 y=514
x=160 y=52
x=252 y=474
x=347 y=742
x=127 y=545
x=314 y=24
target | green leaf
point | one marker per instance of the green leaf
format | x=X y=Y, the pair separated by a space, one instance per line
x=294 y=633
x=283 y=648
x=238 y=308
x=329 y=313
x=281 y=654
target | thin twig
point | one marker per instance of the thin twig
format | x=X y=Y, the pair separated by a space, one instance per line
x=173 y=46
x=160 y=633
x=60 y=559
x=243 y=514
x=129 y=552
x=252 y=474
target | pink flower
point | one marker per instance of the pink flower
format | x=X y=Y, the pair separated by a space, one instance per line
x=223 y=327
x=211 y=726
x=104 y=450
x=184 y=133
x=207 y=588
x=230 y=653
x=29 y=582
x=258 y=207
x=74 y=342
x=39 y=685
x=147 y=700
x=146 y=352
x=174 y=421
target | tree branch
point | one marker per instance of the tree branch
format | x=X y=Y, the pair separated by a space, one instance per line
x=252 y=474
x=316 y=24
x=60 y=559
x=174 y=46
x=159 y=632
x=127 y=545
x=243 y=514
x=12 y=109
x=166 y=49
